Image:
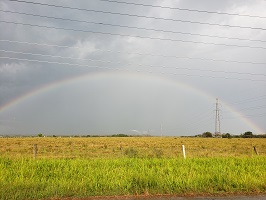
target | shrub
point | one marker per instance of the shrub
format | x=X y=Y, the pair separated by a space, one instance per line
x=207 y=134
x=131 y=152
x=158 y=153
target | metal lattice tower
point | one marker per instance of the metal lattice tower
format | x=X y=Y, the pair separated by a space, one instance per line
x=217 y=132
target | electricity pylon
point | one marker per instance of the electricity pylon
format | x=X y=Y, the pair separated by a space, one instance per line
x=217 y=132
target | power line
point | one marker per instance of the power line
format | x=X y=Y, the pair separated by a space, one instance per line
x=254 y=107
x=248 y=116
x=259 y=98
x=126 y=35
x=250 y=108
x=198 y=119
x=136 y=53
x=183 y=9
x=197 y=123
x=153 y=66
x=130 y=27
x=110 y=68
x=139 y=16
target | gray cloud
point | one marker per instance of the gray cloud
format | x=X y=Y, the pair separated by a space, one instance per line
x=117 y=104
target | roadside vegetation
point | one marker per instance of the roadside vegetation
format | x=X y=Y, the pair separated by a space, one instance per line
x=80 y=167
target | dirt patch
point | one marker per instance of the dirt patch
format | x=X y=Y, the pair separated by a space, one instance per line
x=244 y=196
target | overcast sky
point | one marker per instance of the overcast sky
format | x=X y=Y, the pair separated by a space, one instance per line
x=100 y=67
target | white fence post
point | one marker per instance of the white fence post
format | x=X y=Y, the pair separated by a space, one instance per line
x=184 y=151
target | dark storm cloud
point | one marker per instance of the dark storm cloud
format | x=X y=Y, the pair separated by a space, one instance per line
x=18 y=77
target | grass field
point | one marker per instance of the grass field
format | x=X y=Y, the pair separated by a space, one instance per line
x=79 y=167
x=109 y=147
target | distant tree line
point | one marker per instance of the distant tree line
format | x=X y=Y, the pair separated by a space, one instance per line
x=114 y=135
x=207 y=134
x=247 y=134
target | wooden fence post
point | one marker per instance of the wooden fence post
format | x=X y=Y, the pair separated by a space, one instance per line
x=254 y=147
x=35 y=151
x=121 y=149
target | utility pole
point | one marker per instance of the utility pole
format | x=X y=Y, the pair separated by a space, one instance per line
x=217 y=120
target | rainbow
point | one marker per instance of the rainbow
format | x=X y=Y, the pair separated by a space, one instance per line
x=103 y=75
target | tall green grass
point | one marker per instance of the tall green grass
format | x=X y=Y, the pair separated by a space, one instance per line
x=47 y=178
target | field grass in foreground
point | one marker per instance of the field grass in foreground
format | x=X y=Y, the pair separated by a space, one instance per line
x=24 y=178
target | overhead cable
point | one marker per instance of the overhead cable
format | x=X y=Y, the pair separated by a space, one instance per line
x=247 y=116
x=130 y=27
x=135 y=53
x=135 y=36
x=183 y=9
x=139 y=16
x=254 y=107
x=152 y=66
x=243 y=101
x=124 y=69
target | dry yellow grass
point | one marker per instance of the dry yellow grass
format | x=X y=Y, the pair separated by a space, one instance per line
x=99 y=167
x=109 y=147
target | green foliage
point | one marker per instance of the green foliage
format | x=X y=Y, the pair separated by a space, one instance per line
x=56 y=178
x=40 y=135
x=226 y=135
x=131 y=152
x=119 y=135
x=207 y=134
x=247 y=134
x=158 y=153
x=80 y=167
